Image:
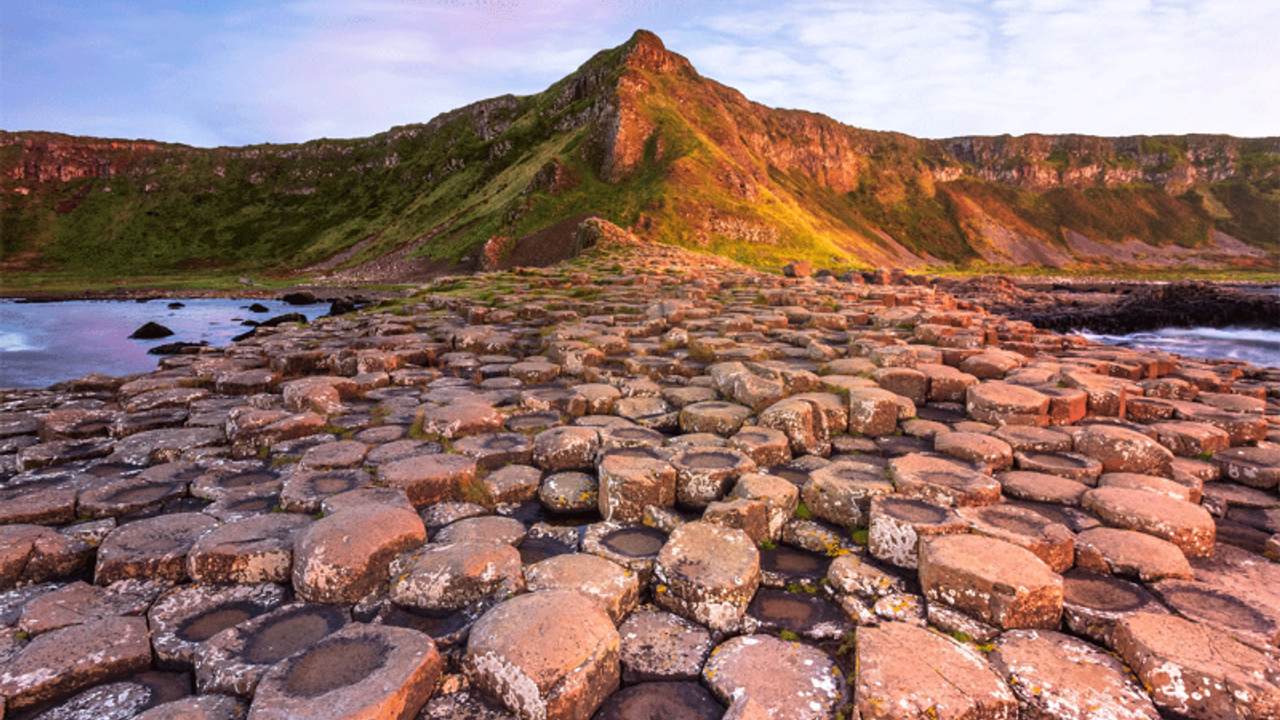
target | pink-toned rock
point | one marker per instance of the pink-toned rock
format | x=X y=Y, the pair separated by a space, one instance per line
x=454 y=575
x=976 y=447
x=342 y=557
x=1197 y=672
x=428 y=479
x=944 y=480
x=788 y=680
x=64 y=661
x=151 y=548
x=1188 y=526
x=612 y=588
x=1123 y=450
x=996 y=582
x=1001 y=403
x=629 y=484
x=551 y=655
x=360 y=671
x=1050 y=541
x=708 y=574
x=1130 y=554
x=873 y=412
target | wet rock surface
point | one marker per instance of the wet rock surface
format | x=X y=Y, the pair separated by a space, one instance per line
x=723 y=491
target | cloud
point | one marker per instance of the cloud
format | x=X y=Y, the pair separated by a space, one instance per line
x=247 y=71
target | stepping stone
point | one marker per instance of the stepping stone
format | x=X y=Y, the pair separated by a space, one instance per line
x=230 y=480
x=898 y=523
x=1242 y=428
x=780 y=498
x=1255 y=467
x=873 y=412
x=552 y=655
x=789 y=680
x=235 y=659
x=704 y=475
x=464 y=705
x=804 y=424
x=1130 y=554
x=566 y=448
x=395 y=497
x=942 y=480
x=1072 y=466
x=570 y=492
x=612 y=588
x=684 y=700
x=487 y=528
x=60 y=663
x=749 y=516
x=453 y=576
x=1250 y=617
x=1123 y=450
x=494 y=450
x=128 y=496
x=512 y=484
x=461 y=419
x=907 y=382
x=151 y=548
x=1195 y=671
x=1093 y=603
x=1188 y=526
x=1056 y=675
x=905 y=671
x=183 y=619
x=123 y=700
x=841 y=492
x=765 y=446
x=720 y=418
x=371 y=671
x=1232 y=567
x=1026 y=438
x=253 y=550
x=975 y=447
x=35 y=554
x=38 y=505
x=1041 y=487
x=629 y=484
x=1050 y=541
x=305 y=491
x=996 y=582
x=1151 y=483
x=428 y=479
x=658 y=645
x=708 y=574
x=79 y=603
x=400 y=450
x=1191 y=439
x=342 y=557
x=633 y=546
x=810 y=616
x=851 y=575
x=334 y=455
x=205 y=707
x=1000 y=403
x=946 y=384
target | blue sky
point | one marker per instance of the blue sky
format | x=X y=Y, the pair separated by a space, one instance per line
x=241 y=72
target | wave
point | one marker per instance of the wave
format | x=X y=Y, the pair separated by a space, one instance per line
x=1256 y=346
x=15 y=342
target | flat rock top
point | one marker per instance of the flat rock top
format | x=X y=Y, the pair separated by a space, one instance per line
x=790 y=680
x=710 y=555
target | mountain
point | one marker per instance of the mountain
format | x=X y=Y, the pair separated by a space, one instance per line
x=638 y=137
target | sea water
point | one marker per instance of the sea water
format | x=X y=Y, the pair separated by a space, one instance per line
x=1252 y=345
x=46 y=343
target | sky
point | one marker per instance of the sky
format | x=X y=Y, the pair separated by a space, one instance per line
x=239 y=72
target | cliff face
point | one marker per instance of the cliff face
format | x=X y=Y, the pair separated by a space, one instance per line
x=638 y=136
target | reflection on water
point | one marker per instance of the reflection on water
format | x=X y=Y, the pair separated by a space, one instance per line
x=1252 y=345
x=45 y=343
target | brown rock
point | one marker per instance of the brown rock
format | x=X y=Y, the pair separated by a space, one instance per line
x=998 y=583
x=342 y=557
x=1188 y=526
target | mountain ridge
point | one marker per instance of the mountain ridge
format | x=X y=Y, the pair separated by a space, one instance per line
x=637 y=136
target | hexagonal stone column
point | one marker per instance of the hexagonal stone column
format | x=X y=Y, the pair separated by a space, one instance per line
x=629 y=484
x=996 y=582
x=151 y=548
x=234 y=660
x=1195 y=671
x=707 y=573
x=1002 y=403
x=360 y=671
x=704 y=475
x=550 y=655
x=897 y=524
x=905 y=671
x=1184 y=524
x=342 y=557
x=803 y=423
x=58 y=663
x=1123 y=450
x=788 y=680
x=451 y=576
x=841 y=493
x=614 y=589
x=943 y=480
x=1056 y=675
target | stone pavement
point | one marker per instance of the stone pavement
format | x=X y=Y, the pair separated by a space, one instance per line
x=647 y=483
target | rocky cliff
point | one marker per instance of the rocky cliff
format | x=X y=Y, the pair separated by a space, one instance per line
x=638 y=136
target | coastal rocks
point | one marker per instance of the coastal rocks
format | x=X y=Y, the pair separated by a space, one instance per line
x=543 y=666
x=343 y=556
x=909 y=671
x=787 y=680
x=701 y=453
x=708 y=574
x=61 y=662
x=372 y=671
